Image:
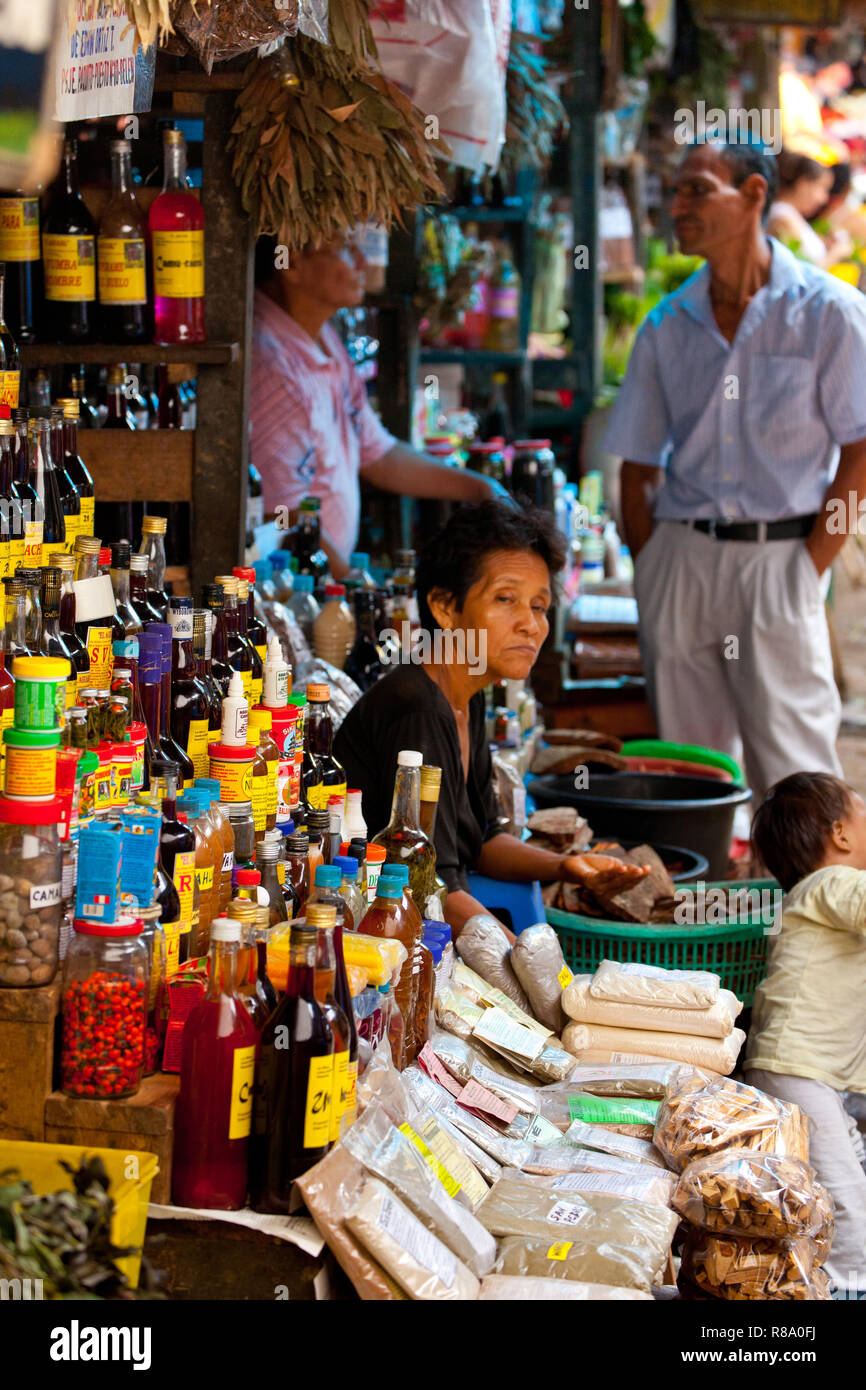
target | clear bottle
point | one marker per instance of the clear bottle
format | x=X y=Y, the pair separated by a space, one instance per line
x=132 y=622
x=105 y=976
x=403 y=839
x=359 y=576
x=16 y=619
x=121 y=256
x=177 y=239
x=267 y=855
x=190 y=702
x=282 y=577
x=386 y=917
x=138 y=567
x=291 y=1125
x=153 y=546
x=356 y=905
x=304 y=606
x=70 y=501
x=74 y=464
x=213 y=1116
x=430 y=786
x=334 y=628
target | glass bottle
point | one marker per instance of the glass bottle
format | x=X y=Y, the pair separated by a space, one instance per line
x=321 y=775
x=16 y=619
x=52 y=641
x=7 y=697
x=430 y=786
x=213 y=1115
x=267 y=854
x=206 y=873
x=10 y=364
x=260 y=730
x=65 y=563
x=306 y=541
x=86 y=415
x=260 y=935
x=177 y=239
x=7 y=458
x=403 y=839
x=255 y=628
x=177 y=850
x=119 y=416
x=121 y=257
x=327 y=891
x=169 y=414
x=366 y=661
x=126 y=614
x=70 y=501
x=385 y=917
x=166 y=897
x=240 y=653
x=291 y=1121
x=153 y=546
x=304 y=606
x=210 y=788
x=213 y=599
x=138 y=567
x=20 y=250
x=201 y=646
x=298 y=878
x=33 y=630
x=335 y=1016
x=257 y=667
x=94 y=612
x=34 y=522
x=73 y=410
x=355 y=904
x=21 y=493
x=68 y=257
x=190 y=706
x=53 y=521
x=170 y=747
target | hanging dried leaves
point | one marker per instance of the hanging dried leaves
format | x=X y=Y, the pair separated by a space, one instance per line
x=323 y=141
x=535 y=112
x=150 y=18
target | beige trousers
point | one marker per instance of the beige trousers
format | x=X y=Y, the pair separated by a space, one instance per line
x=736 y=651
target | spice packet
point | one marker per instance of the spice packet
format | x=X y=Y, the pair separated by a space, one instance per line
x=420 y=1263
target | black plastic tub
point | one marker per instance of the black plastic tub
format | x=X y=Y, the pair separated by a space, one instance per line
x=683 y=865
x=655 y=808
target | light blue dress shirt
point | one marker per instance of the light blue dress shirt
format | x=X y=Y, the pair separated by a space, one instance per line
x=750 y=429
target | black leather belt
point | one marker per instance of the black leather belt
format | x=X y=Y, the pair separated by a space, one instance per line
x=793 y=528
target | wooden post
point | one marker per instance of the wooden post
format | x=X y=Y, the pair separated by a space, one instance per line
x=219 y=486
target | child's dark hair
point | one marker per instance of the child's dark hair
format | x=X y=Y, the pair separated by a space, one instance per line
x=793 y=823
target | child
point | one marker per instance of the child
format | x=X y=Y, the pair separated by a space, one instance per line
x=807 y=1043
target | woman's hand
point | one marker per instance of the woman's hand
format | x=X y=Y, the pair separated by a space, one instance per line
x=602 y=872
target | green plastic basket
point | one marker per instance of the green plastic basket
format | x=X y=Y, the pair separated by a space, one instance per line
x=736 y=950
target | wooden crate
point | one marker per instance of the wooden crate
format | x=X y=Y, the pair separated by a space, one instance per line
x=143 y=1123
x=27 y=1022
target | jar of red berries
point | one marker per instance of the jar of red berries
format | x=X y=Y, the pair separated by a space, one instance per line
x=105 y=996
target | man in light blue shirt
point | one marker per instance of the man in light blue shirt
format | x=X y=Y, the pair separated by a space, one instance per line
x=742 y=425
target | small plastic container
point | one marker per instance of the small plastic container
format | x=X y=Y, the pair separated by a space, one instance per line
x=102 y=779
x=122 y=762
x=137 y=738
x=233 y=769
x=31 y=764
x=375 y=859
x=105 y=1000
x=87 y=767
x=31 y=874
x=40 y=691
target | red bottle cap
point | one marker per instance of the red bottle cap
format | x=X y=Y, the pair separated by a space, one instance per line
x=105 y=556
x=249 y=878
x=335 y=590
x=124 y=926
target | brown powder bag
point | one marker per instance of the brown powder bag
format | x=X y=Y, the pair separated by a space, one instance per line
x=331 y=1189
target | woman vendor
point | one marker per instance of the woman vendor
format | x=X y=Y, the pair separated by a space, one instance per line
x=484 y=584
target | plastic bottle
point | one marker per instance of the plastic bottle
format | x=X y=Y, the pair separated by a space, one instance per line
x=214 y=1107
x=353 y=819
x=206 y=870
x=304 y=606
x=282 y=578
x=334 y=628
x=349 y=891
x=327 y=891
x=267 y=854
x=387 y=917
x=235 y=714
x=219 y=818
x=275 y=677
x=359 y=576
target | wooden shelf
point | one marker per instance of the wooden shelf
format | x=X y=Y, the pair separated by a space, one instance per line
x=104 y=354
x=139 y=465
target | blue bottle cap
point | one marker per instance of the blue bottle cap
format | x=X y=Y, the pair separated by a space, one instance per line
x=327 y=876
x=346 y=864
x=398 y=871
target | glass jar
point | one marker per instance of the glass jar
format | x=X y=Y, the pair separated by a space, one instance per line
x=104 y=1008
x=243 y=826
x=30 y=892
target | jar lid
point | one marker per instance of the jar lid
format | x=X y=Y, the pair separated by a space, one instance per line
x=261 y=718
x=137 y=732
x=30 y=812
x=122 y=750
x=32 y=738
x=89 y=761
x=123 y=926
x=248 y=878
x=288 y=714
x=46 y=668
x=227 y=753
x=320 y=693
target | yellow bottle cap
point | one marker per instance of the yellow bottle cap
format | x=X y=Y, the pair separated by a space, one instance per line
x=46 y=668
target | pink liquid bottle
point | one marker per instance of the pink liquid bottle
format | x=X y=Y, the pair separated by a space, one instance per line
x=177 y=246
x=215 y=1105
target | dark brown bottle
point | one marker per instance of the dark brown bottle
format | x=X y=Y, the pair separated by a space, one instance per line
x=21 y=251
x=169 y=745
x=213 y=598
x=119 y=415
x=53 y=642
x=190 y=705
x=126 y=613
x=121 y=257
x=74 y=463
x=69 y=257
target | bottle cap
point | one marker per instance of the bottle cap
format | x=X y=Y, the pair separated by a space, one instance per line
x=210 y=784
x=359 y=560
x=398 y=871
x=225 y=929
x=249 y=878
x=335 y=591
x=322 y=695
x=320 y=915
x=261 y=719
x=278 y=560
x=346 y=864
x=409 y=758
x=327 y=876
x=236 y=687
x=34 y=668
x=227 y=582
x=154 y=526
x=388 y=888
x=303 y=584
x=239 y=810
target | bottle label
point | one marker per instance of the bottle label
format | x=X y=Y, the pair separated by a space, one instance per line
x=87 y=505
x=204 y=879
x=10 y=383
x=181 y=623
x=184 y=882
x=319 y=796
x=33 y=542
x=178 y=264
x=260 y=801
x=82 y=682
x=6 y=718
x=70 y=267
x=19 y=229
x=285 y=791
x=228 y=861
x=504 y=302
x=317 y=1114
x=172 y=948
x=263 y=656
x=71 y=691
x=281 y=872
x=196 y=746
x=235 y=779
x=73 y=529
x=100 y=656
x=352 y=1090
x=241 y=1108
x=340 y=1093
x=255 y=692
x=120 y=268
x=247 y=682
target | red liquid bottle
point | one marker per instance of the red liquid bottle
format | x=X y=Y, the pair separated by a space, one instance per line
x=292 y=1113
x=177 y=240
x=214 y=1107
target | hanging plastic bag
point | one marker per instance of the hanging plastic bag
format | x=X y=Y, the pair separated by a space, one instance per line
x=225 y=29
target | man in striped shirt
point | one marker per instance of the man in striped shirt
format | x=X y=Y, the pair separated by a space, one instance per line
x=742 y=423
x=313 y=431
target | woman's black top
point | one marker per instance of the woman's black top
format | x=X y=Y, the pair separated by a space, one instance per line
x=406 y=709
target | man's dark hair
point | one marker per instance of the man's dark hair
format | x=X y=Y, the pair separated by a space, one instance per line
x=793 y=167
x=745 y=157
x=453 y=558
x=794 y=822
x=266 y=254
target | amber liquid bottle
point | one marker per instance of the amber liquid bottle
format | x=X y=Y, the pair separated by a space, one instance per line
x=74 y=464
x=292 y=1110
x=121 y=257
x=331 y=977
x=403 y=839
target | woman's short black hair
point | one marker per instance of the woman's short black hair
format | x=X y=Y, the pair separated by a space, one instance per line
x=794 y=822
x=793 y=167
x=453 y=558
x=265 y=261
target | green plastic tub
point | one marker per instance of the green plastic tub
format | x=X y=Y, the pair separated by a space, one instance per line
x=736 y=950
x=684 y=752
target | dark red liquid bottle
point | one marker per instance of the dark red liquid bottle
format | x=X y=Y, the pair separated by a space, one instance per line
x=292 y=1114
x=214 y=1107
